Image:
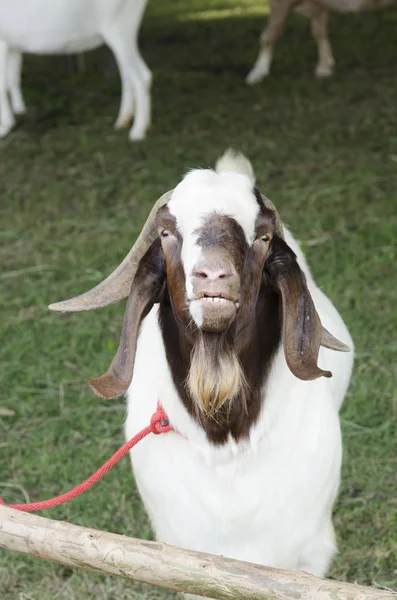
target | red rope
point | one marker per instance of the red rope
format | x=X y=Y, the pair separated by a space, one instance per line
x=159 y=423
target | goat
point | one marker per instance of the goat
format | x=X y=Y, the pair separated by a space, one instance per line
x=230 y=325
x=68 y=26
x=317 y=10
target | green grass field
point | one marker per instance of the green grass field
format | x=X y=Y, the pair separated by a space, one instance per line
x=74 y=194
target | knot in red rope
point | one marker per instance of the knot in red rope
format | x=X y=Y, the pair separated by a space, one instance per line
x=159 y=423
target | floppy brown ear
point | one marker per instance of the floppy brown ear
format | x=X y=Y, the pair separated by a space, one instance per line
x=302 y=331
x=145 y=291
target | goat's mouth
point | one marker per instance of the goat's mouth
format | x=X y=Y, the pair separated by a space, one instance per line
x=213 y=312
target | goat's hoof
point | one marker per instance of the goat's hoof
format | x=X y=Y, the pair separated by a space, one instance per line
x=254 y=77
x=323 y=71
x=124 y=121
x=5 y=129
x=19 y=108
x=135 y=136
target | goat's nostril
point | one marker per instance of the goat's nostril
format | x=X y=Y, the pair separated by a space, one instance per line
x=212 y=272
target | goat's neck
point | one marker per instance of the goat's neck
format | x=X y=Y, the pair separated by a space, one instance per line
x=254 y=339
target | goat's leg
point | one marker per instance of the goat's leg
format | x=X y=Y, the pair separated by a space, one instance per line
x=279 y=11
x=326 y=61
x=145 y=71
x=317 y=555
x=14 y=68
x=121 y=36
x=7 y=119
x=126 y=111
x=126 y=56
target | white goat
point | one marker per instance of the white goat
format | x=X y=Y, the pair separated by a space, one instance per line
x=68 y=26
x=229 y=347
x=317 y=10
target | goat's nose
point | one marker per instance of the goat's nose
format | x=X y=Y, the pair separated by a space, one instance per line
x=212 y=273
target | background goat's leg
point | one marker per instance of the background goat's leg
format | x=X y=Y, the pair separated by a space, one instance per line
x=14 y=69
x=7 y=119
x=279 y=11
x=326 y=61
x=145 y=71
x=127 y=59
x=122 y=38
x=126 y=112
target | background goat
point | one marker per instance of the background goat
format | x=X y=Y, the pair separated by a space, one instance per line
x=231 y=324
x=45 y=27
x=317 y=10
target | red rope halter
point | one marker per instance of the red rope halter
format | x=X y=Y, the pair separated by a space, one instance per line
x=159 y=423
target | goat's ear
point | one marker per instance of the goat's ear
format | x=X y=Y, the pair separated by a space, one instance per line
x=303 y=333
x=146 y=290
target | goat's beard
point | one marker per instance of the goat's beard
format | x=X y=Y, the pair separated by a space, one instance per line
x=215 y=375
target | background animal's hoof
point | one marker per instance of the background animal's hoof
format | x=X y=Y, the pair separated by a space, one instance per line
x=5 y=130
x=124 y=121
x=19 y=109
x=135 y=136
x=323 y=71
x=255 y=76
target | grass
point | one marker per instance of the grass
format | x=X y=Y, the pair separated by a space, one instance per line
x=74 y=193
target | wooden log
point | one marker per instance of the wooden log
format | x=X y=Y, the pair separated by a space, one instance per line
x=167 y=566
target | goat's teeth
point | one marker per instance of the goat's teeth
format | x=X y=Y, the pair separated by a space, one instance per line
x=217 y=299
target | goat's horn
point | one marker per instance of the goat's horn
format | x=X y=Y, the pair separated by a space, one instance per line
x=279 y=226
x=118 y=284
x=329 y=341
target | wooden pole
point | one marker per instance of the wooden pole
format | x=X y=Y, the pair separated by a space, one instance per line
x=167 y=566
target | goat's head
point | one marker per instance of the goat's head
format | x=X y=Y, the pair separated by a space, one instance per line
x=209 y=245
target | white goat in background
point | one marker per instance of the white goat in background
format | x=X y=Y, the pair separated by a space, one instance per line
x=318 y=11
x=69 y=26
x=224 y=325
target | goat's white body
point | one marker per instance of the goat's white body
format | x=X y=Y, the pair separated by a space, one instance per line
x=67 y=26
x=267 y=500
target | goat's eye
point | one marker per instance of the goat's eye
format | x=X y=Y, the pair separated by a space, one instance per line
x=265 y=238
x=164 y=233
